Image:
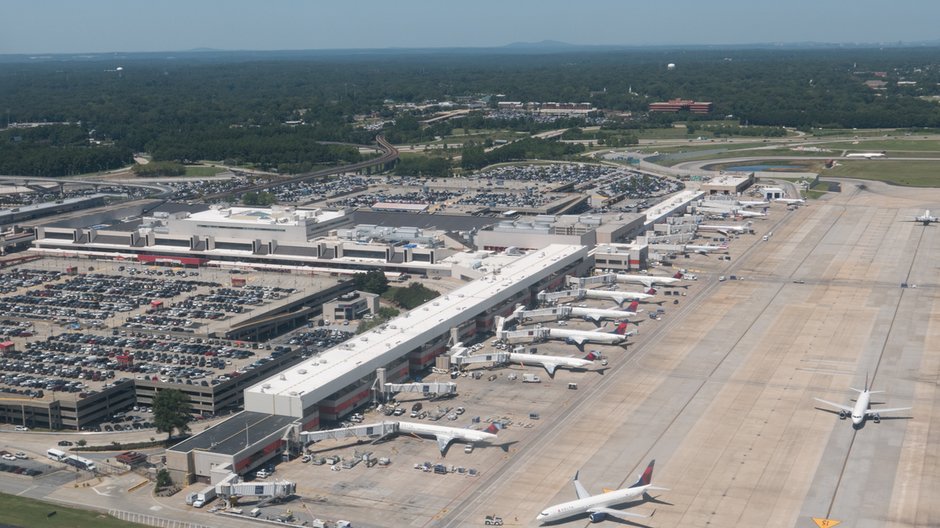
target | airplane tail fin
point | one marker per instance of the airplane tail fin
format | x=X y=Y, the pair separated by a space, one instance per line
x=651 y=291
x=633 y=306
x=678 y=275
x=492 y=429
x=647 y=477
x=621 y=329
x=592 y=356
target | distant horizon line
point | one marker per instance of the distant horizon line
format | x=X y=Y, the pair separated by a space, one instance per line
x=547 y=45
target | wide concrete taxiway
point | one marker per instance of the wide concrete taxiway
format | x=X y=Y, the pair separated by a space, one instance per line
x=721 y=391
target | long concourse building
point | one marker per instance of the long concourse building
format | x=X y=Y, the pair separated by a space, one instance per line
x=339 y=380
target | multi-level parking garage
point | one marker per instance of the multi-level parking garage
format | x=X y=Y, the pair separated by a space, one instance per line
x=82 y=345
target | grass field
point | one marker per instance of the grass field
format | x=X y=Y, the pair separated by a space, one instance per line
x=888 y=145
x=850 y=132
x=908 y=173
x=30 y=513
x=201 y=170
x=668 y=133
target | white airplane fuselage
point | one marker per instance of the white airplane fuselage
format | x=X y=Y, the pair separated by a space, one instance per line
x=581 y=506
x=549 y=362
x=586 y=336
x=444 y=434
x=860 y=409
x=645 y=279
x=616 y=296
x=596 y=314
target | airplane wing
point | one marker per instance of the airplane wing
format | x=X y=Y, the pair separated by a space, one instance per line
x=579 y=488
x=443 y=441
x=618 y=513
x=578 y=340
x=879 y=411
x=836 y=405
x=550 y=368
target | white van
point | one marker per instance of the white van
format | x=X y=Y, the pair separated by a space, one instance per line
x=255 y=512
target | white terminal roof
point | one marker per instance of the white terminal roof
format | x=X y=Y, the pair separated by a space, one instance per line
x=676 y=201
x=729 y=179
x=297 y=388
x=263 y=216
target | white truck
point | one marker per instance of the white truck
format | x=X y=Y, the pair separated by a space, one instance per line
x=203 y=497
x=531 y=378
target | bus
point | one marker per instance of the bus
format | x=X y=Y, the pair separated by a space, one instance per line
x=80 y=463
x=56 y=454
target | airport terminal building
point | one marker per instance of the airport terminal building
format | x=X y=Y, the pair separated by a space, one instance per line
x=336 y=382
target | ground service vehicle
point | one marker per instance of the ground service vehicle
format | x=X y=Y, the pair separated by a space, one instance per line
x=492 y=520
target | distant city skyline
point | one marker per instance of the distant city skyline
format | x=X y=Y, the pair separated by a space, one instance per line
x=100 y=26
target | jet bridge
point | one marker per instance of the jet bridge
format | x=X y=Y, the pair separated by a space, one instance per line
x=550 y=297
x=559 y=312
x=581 y=282
x=364 y=432
x=495 y=357
x=265 y=491
x=437 y=388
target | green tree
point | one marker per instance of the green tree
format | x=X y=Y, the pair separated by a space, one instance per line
x=163 y=479
x=414 y=295
x=171 y=411
x=373 y=281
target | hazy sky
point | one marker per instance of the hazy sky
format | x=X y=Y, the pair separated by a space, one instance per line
x=77 y=26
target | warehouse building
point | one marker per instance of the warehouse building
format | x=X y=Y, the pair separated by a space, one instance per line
x=731 y=184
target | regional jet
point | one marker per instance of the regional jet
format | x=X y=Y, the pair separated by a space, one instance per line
x=862 y=408
x=598 y=507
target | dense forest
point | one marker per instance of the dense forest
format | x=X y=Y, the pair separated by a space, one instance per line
x=274 y=110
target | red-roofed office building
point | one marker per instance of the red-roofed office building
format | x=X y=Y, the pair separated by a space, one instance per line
x=677 y=105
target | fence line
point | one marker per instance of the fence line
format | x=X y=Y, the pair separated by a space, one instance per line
x=152 y=520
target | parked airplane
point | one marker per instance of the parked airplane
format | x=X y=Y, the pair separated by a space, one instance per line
x=579 y=337
x=595 y=315
x=751 y=203
x=598 y=507
x=866 y=155
x=552 y=362
x=648 y=280
x=618 y=297
x=704 y=250
x=445 y=435
x=791 y=201
x=862 y=408
x=925 y=218
x=748 y=214
x=726 y=229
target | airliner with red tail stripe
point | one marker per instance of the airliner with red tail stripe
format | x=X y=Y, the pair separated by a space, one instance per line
x=595 y=315
x=648 y=280
x=578 y=337
x=618 y=297
x=552 y=362
x=598 y=507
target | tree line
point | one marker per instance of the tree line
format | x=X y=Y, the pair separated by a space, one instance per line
x=273 y=110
